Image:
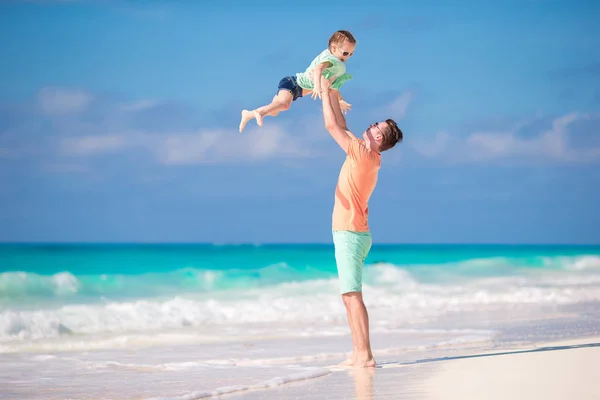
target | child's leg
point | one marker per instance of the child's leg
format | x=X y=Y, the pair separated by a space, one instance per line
x=280 y=102
x=288 y=90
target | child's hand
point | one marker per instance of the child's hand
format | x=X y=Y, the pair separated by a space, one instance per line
x=345 y=107
x=316 y=92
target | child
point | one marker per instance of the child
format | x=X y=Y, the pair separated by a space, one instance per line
x=330 y=63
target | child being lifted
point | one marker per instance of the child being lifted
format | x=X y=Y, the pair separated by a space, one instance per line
x=330 y=64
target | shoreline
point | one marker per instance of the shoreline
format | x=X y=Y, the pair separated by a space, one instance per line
x=550 y=370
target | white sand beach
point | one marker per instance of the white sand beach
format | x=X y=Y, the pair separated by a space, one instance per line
x=556 y=372
x=477 y=370
x=550 y=371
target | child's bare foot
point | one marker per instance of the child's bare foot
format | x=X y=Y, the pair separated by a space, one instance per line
x=259 y=118
x=247 y=116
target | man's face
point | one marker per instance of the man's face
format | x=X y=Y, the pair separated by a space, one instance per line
x=374 y=135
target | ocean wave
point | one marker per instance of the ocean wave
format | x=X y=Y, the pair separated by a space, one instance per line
x=28 y=286
x=23 y=283
x=582 y=263
x=24 y=287
x=388 y=289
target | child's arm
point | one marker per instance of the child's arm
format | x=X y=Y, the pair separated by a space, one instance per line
x=316 y=77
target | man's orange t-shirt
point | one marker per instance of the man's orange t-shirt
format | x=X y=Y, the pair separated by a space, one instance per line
x=356 y=183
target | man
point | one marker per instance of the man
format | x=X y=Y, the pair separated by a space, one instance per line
x=350 y=227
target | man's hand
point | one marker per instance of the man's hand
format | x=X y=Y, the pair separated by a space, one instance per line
x=345 y=107
x=339 y=134
x=325 y=84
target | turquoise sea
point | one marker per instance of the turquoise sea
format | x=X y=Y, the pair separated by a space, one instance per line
x=37 y=274
x=267 y=311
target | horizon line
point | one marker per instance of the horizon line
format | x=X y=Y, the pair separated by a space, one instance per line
x=328 y=243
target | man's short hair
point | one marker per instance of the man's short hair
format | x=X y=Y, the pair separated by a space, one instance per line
x=391 y=135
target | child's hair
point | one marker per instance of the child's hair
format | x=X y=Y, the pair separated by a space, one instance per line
x=340 y=37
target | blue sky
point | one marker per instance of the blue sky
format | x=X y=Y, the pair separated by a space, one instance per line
x=118 y=121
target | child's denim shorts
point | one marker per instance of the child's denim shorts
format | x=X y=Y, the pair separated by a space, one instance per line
x=291 y=84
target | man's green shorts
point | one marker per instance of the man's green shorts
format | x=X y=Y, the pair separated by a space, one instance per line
x=351 y=250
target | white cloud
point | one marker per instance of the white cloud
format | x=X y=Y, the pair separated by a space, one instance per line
x=90 y=145
x=138 y=105
x=214 y=146
x=205 y=146
x=399 y=106
x=57 y=101
x=433 y=147
x=395 y=109
x=187 y=148
x=95 y=128
x=551 y=144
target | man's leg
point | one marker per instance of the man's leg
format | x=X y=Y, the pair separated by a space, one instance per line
x=352 y=359
x=351 y=249
x=362 y=355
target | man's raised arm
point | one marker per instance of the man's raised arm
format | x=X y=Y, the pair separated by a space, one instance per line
x=339 y=134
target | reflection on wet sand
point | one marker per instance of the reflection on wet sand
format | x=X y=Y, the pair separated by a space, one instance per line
x=364 y=386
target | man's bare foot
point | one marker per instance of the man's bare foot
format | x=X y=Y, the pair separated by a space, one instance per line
x=365 y=363
x=349 y=362
x=247 y=116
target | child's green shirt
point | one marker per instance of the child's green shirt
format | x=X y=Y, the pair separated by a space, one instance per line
x=338 y=68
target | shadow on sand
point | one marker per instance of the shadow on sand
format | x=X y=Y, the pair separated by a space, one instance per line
x=364 y=378
x=549 y=348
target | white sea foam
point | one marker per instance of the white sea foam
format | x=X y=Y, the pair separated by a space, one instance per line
x=22 y=283
x=582 y=263
x=65 y=283
x=189 y=370
x=309 y=373
x=182 y=372
x=388 y=289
